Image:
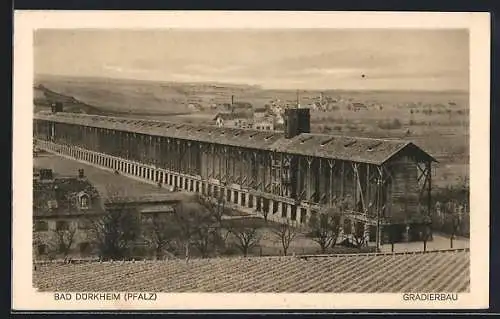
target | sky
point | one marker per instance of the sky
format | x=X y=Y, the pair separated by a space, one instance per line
x=358 y=59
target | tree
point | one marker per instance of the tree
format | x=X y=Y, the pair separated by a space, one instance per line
x=392 y=234
x=160 y=231
x=325 y=227
x=359 y=234
x=198 y=226
x=117 y=228
x=285 y=234
x=455 y=227
x=63 y=240
x=264 y=211
x=247 y=237
x=115 y=231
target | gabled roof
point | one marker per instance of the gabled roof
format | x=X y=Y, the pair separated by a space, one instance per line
x=61 y=194
x=357 y=149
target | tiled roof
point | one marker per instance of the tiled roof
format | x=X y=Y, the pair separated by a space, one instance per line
x=366 y=273
x=357 y=149
x=146 y=198
x=60 y=194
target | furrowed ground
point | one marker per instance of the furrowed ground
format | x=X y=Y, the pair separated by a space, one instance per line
x=436 y=272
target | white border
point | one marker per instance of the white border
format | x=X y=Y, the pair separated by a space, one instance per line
x=26 y=298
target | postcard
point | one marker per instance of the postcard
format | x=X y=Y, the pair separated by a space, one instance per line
x=225 y=160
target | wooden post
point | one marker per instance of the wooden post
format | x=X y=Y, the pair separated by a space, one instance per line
x=309 y=178
x=342 y=179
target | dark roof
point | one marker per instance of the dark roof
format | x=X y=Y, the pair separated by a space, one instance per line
x=246 y=105
x=356 y=149
x=439 y=271
x=225 y=115
x=146 y=198
x=61 y=193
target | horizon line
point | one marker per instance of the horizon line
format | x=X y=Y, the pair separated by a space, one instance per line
x=97 y=77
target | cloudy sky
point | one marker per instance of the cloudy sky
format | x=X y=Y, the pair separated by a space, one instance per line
x=289 y=59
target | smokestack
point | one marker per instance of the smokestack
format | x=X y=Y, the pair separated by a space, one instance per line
x=232 y=100
x=297 y=121
x=81 y=173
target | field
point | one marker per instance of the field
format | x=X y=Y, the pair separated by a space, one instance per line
x=395 y=273
x=436 y=121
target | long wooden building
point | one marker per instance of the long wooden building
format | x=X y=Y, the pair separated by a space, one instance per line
x=288 y=175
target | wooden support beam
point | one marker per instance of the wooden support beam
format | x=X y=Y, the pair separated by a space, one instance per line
x=309 y=179
x=358 y=186
x=342 y=179
x=429 y=189
x=331 y=163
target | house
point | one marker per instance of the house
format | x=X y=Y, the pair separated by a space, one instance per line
x=221 y=117
x=61 y=206
x=195 y=107
x=68 y=209
x=242 y=105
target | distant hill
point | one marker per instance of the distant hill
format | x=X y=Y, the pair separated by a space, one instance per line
x=43 y=99
x=139 y=97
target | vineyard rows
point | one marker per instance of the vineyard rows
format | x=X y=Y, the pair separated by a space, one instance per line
x=430 y=272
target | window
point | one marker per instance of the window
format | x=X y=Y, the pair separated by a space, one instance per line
x=62 y=225
x=41 y=225
x=42 y=249
x=84 y=201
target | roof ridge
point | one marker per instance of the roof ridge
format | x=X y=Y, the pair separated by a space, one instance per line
x=275 y=141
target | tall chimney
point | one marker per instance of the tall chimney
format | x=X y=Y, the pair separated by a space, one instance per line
x=297 y=121
x=232 y=100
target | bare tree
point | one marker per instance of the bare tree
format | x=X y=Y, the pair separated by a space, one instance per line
x=160 y=232
x=325 y=227
x=198 y=227
x=359 y=234
x=285 y=234
x=455 y=227
x=392 y=234
x=264 y=211
x=62 y=240
x=247 y=237
x=115 y=230
x=217 y=208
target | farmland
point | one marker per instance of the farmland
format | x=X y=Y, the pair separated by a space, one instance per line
x=417 y=272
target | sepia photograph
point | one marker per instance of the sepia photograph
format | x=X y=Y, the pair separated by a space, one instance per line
x=251 y=160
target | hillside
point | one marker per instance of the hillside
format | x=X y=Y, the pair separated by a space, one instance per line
x=44 y=97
